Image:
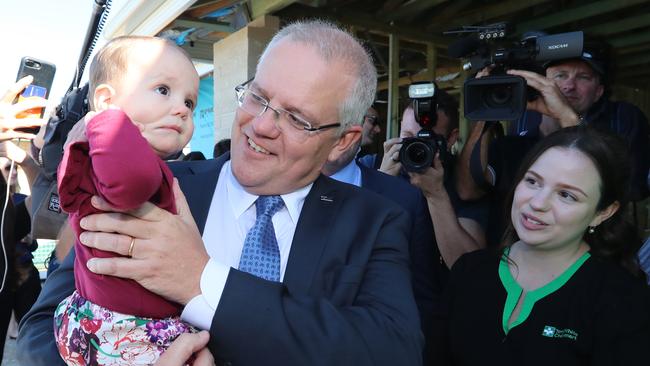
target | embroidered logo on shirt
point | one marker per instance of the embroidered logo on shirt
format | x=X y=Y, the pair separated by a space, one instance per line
x=553 y=332
x=54 y=204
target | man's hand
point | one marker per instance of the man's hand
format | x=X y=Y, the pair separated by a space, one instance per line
x=8 y=112
x=184 y=347
x=551 y=102
x=390 y=164
x=168 y=255
x=431 y=181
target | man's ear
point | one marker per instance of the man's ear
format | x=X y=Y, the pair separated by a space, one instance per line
x=349 y=138
x=103 y=97
x=605 y=214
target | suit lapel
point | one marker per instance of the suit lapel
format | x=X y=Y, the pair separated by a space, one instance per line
x=313 y=232
x=198 y=183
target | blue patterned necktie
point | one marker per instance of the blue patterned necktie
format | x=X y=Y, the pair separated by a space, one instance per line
x=261 y=255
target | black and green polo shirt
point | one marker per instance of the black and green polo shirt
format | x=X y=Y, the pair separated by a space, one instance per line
x=595 y=313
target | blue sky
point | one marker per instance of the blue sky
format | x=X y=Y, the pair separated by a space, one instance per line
x=49 y=30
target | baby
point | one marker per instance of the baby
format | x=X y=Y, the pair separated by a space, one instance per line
x=143 y=91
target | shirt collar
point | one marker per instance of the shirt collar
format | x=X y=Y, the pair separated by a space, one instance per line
x=240 y=200
x=350 y=174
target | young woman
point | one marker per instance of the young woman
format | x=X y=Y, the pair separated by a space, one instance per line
x=565 y=288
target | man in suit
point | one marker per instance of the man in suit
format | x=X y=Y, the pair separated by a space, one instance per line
x=339 y=292
x=424 y=254
x=370 y=127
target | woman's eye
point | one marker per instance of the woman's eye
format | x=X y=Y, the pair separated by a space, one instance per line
x=162 y=90
x=567 y=195
x=531 y=181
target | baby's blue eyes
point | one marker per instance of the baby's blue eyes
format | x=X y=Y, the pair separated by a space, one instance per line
x=162 y=90
x=189 y=104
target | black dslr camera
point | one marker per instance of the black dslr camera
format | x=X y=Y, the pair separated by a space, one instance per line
x=417 y=153
x=501 y=96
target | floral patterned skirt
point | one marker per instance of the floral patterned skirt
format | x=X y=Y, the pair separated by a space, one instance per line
x=89 y=334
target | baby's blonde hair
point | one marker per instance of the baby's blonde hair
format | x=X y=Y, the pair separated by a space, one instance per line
x=111 y=61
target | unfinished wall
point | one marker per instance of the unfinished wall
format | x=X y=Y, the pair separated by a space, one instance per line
x=235 y=58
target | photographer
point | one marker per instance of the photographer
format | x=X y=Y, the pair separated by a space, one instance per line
x=573 y=91
x=458 y=225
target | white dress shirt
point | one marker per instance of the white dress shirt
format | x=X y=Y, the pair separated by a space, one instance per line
x=232 y=214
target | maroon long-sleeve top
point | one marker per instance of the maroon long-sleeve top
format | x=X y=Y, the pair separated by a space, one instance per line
x=118 y=165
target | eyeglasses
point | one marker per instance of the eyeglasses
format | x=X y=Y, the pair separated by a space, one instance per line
x=285 y=121
x=372 y=119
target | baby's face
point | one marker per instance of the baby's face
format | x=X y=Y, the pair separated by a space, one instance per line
x=158 y=92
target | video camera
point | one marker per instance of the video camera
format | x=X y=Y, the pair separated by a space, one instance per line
x=500 y=96
x=417 y=153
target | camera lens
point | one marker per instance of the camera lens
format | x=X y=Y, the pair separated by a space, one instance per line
x=417 y=155
x=498 y=96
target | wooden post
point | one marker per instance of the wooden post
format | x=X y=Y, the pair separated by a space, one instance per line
x=392 y=126
x=432 y=61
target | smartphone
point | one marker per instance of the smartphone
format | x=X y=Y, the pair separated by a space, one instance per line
x=43 y=73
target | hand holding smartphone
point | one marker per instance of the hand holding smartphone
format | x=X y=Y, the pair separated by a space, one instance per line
x=9 y=124
x=42 y=73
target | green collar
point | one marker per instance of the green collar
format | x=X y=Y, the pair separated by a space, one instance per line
x=515 y=291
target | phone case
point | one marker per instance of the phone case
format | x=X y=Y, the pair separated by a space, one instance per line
x=43 y=73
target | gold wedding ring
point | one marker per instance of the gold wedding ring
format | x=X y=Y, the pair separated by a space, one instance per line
x=130 y=253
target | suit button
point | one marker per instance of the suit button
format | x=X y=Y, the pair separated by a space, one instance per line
x=227 y=363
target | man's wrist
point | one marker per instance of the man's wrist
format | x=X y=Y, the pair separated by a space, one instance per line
x=570 y=118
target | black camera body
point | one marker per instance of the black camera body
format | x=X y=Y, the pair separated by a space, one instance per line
x=417 y=153
x=501 y=96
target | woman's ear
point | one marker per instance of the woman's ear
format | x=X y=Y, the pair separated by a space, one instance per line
x=103 y=97
x=605 y=213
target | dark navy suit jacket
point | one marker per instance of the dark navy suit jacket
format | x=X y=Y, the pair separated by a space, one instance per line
x=425 y=258
x=346 y=297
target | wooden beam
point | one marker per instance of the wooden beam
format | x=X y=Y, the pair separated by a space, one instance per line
x=481 y=14
x=365 y=21
x=314 y=3
x=619 y=26
x=632 y=49
x=412 y=8
x=200 y=49
x=388 y=7
x=631 y=40
x=210 y=26
x=392 y=125
x=210 y=7
x=447 y=13
x=634 y=60
x=421 y=76
x=564 y=16
x=638 y=81
x=259 y=8
x=631 y=72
